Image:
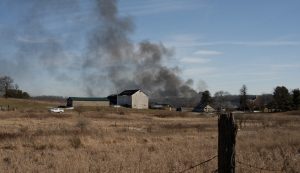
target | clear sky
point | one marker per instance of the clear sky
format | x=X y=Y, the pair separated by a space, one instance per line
x=223 y=44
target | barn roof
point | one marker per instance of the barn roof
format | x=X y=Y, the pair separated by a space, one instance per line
x=88 y=99
x=128 y=92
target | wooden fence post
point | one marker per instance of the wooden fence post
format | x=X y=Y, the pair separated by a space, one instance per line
x=226 y=143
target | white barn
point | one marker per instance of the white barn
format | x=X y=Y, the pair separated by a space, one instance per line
x=135 y=99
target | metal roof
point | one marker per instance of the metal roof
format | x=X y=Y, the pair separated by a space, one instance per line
x=88 y=98
x=128 y=92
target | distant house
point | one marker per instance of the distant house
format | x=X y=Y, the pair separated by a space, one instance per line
x=131 y=98
x=87 y=101
x=204 y=108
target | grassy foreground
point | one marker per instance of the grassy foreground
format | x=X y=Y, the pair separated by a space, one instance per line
x=104 y=140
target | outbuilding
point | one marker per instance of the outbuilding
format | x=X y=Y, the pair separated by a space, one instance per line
x=135 y=99
x=87 y=101
x=204 y=108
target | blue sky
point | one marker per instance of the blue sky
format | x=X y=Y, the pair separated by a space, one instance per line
x=223 y=43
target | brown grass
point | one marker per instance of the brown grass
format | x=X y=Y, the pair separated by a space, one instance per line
x=104 y=140
x=27 y=105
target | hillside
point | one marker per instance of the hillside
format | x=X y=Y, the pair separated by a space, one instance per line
x=25 y=104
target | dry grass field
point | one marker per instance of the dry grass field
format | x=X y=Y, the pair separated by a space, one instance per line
x=107 y=140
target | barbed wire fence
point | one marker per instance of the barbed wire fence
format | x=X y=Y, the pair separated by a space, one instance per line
x=259 y=168
x=246 y=166
x=199 y=164
x=226 y=150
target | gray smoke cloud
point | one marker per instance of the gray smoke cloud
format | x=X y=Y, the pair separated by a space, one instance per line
x=38 y=44
x=36 y=50
x=129 y=66
x=109 y=61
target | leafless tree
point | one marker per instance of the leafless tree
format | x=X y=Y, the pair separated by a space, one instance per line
x=220 y=100
x=6 y=83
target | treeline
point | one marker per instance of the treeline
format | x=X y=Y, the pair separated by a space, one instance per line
x=283 y=100
x=49 y=98
x=9 y=89
x=280 y=100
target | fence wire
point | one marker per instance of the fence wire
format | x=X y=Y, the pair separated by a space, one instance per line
x=258 y=168
x=239 y=162
x=199 y=164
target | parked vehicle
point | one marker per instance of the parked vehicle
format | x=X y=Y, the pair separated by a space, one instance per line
x=69 y=108
x=56 y=110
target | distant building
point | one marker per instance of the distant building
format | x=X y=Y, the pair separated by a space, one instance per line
x=113 y=99
x=87 y=101
x=208 y=109
x=204 y=108
x=2 y=93
x=184 y=109
x=130 y=98
x=161 y=106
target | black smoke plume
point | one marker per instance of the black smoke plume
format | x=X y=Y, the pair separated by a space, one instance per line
x=109 y=61
x=116 y=60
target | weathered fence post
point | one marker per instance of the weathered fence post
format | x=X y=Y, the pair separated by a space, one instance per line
x=226 y=143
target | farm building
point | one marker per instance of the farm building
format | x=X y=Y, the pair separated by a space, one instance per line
x=161 y=106
x=204 y=108
x=131 y=98
x=87 y=101
x=208 y=109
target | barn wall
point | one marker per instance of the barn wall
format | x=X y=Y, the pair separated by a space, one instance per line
x=124 y=100
x=140 y=100
x=208 y=109
x=69 y=103
x=90 y=103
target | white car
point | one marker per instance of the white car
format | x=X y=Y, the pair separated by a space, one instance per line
x=56 y=110
x=69 y=108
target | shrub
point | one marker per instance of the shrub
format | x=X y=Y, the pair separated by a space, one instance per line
x=7 y=160
x=23 y=129
x=149 y=129
x=40 y=147
x=75 y=142
x=82 y=124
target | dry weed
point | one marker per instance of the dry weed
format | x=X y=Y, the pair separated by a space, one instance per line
x=104 y=141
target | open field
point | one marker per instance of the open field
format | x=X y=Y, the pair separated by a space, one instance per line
x=27 y=105
x=107 y=140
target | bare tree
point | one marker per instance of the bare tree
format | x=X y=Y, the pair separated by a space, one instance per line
x=220 y=100
x=17 y=87
x=250 y=105
x=6 y=83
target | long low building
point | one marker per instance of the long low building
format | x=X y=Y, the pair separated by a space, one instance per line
x=87 y=101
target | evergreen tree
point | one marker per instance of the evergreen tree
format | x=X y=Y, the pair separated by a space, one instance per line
x=296 y=99
x=282 y=99
x=243 y=98
x=206 y=98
